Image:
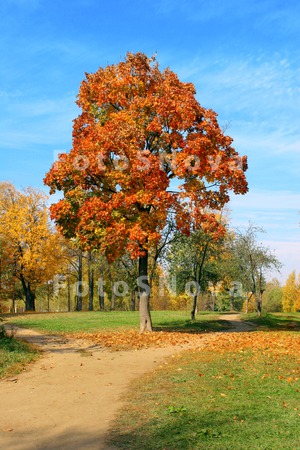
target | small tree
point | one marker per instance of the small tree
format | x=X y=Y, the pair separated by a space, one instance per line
x=139 y=128
x=289 y=293
x=273 y=296
x=250 y=263
x=193 y=261
x=34 y=249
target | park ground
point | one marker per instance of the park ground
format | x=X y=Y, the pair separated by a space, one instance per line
x=229 y=383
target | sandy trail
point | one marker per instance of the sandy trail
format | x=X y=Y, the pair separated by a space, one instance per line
x=236 y=323
x=69 y=398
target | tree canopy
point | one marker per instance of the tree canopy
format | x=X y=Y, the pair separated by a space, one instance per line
x=139 y=129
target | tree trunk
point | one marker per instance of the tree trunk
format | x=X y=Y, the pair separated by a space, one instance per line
x=48 y=297
x=213 y=303
x=101 y=296
x=259 y=304
x=101 y=301
x=247 y=302
x=101 y=290
x=113 y=300
x=144 y=294
x=91 y=282
x=29 y=295
x=78 y=297
x=113 y=294
x=132 y=303
x=13 y=303
x=199 y=279
x=194 y=310
x=69 y=294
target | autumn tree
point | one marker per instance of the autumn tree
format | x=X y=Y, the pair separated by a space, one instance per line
x=297 y=298
x=289 y=293
x=139 y=128
x=250 y=263
x=7 y=285
x=33 y=247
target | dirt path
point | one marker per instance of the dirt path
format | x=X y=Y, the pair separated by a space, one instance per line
x=237 y=324
x=68 y=399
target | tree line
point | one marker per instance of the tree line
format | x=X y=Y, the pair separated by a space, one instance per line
x=41 y=270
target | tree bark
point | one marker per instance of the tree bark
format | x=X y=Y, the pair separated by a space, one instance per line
x=132 y=303
x=91 y=282
x=69 y=294
x=29 y=296
x=113 y=300
x=247 y=302
x=213 y=303
x=78 y=297
x=48 y=297
x=144 y=294
x=101 y=298
x=259 y=304
x=198 y=279
x=193 y=312
x=101 y=290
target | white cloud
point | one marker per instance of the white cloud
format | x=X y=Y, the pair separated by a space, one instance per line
x=289 y=254
x=267 y=200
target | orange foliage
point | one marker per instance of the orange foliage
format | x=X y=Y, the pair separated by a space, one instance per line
x=268 y=345
x=139 y=128
x=133 y=340
x=33 y=250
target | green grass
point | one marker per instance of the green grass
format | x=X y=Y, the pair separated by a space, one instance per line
x=117 y=320
x=275 y=321
x=240 y=398
x=14 y=355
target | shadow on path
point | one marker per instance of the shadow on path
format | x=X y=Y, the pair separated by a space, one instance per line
x=236 y=324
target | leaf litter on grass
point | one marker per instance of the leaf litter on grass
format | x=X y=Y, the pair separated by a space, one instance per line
x=239 y=390
x=133 y=340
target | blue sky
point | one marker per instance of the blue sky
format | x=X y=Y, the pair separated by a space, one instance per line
x=243 y=57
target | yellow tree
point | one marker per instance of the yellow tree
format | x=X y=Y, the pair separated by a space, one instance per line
x=35 y=249
x=297 y=297
x=289 y=293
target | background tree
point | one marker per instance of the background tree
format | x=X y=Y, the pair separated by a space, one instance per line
x=7 y=281
x=289 y=293
x=34 y=248
x=272 y=297
x=297 y=298
x=195 y=259
x=250 y=263
x=139 y=128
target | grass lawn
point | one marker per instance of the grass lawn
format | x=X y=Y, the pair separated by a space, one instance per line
x=76 y=322
x=14 y=355
x=275 y=321
x=241 y=392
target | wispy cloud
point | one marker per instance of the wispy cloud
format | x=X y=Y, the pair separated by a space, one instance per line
x=286 y=252
x=264 y=15
x=268 y=200
x=253 y=84
x=26 y=122
x=200 y=11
